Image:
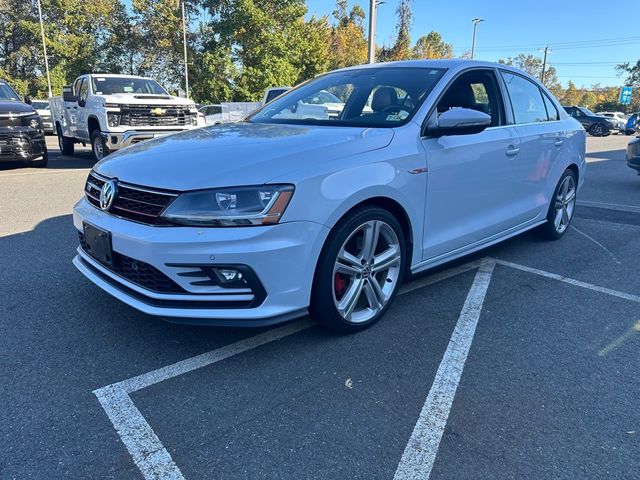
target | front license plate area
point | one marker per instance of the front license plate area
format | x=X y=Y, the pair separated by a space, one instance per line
x=98 y=244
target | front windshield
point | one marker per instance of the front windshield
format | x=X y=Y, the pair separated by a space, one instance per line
x=366 y=97
x=588 y=112
x=111 y=85
x=7 y=93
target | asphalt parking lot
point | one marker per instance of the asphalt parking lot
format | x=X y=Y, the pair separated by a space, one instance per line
x=518 y=362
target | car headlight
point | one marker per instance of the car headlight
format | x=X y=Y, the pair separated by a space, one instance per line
x=113 y=119
x=231 y=207
x=194 y=118
x=32 y=121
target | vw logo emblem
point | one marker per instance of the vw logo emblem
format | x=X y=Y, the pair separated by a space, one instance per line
x=366 y=271
x=108 y=194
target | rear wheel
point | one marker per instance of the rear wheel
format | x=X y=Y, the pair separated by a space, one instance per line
x=65 y=144
x=359 y=271
x=562 y=207
x=98 y=146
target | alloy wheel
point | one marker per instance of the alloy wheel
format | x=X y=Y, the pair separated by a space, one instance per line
x=565 y=204
x=98 y=149
x=366 y=271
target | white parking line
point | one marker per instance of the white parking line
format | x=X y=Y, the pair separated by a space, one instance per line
x=621 y=207
x=155 y=462
x=420 y=453
x=146 y=449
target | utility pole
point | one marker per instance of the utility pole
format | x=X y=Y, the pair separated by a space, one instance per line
x=475 y=22
x=544 y=62
x=44 y=48
x=184 y=41
x=373 y=6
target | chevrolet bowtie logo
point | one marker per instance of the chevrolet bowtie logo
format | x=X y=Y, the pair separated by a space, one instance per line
x=158 y=112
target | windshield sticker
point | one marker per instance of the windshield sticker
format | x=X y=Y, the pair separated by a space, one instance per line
x=397 y=117
x=101 y=79
x=127 y=89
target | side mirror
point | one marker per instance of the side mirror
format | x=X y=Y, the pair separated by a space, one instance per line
x=460 y=121
x=27 y=99
x=67 y=94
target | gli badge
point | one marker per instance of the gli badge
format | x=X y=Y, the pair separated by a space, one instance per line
x=108 y=194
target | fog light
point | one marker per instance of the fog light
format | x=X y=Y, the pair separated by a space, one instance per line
x=230 y=277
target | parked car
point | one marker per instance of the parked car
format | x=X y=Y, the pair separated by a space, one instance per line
x=594 y=124
x=273 y=93
x=633 y=154
x=632 y=124
x=114 y=111
x=619 y=120
x=21 y=132
x=267 y=219
x=43 y=109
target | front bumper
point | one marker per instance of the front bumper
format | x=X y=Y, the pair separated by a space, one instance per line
x=21 y=143
x=633 y=154
x=283 y=258
x=118 y=140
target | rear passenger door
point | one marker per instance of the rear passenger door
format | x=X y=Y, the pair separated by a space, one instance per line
x=537 y=123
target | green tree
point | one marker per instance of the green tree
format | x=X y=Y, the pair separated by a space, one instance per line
x=348 y=40
x=632 y=71
x=432 y=46
x=401 y=48
x=572 y=95
x=533 y=66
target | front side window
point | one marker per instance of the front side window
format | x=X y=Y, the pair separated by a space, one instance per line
x=113 y=85
x=84 y=89
x=366 y=97
x=7 y=93
x=477 y=90
x=526 y=99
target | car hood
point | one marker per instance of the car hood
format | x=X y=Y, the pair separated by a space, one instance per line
x=14 y=107
x=143 y=99
x=236 y=154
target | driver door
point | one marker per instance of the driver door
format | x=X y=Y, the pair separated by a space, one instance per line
x=471 y=178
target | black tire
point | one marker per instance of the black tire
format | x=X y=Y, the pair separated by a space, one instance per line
x=98 y=146
x=41 y=162
x=323 y=296
x=66 y=144
x=548 y=230
x=597 y=130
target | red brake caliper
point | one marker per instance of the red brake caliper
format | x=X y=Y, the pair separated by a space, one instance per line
x=340 y=285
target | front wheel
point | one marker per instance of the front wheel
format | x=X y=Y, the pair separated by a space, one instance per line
x=41 y=162
x=597 y=130
x=562 y=207
x=98 y=146
x=359 y=271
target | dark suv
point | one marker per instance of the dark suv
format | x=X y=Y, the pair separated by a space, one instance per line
x=21 y=132
x=594 y=124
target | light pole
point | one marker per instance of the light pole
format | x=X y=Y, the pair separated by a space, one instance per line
x=475 y=22
x=544 y=61
x=44 y=48
x=373 y=6
x=184 y=41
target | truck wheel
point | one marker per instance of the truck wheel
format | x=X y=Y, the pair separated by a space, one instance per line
x=65 y=144
x=41 y=162
x=99 y=148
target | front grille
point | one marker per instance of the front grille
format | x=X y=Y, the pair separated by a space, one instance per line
x=135 y=271
x=154 y=116
x=12 y=144
x=6 y=121
x=132 y=202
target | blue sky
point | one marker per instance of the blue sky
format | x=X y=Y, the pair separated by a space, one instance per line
x=522 y=26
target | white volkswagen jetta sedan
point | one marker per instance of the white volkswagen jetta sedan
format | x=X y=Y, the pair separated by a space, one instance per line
x=266 y=220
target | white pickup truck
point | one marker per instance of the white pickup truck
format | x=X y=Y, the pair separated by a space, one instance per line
x=114 y=111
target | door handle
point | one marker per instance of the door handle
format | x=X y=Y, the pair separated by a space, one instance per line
x=512 y=151
x=559 y=142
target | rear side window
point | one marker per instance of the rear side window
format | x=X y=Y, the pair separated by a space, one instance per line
x=526 y=99
x=552 y=111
